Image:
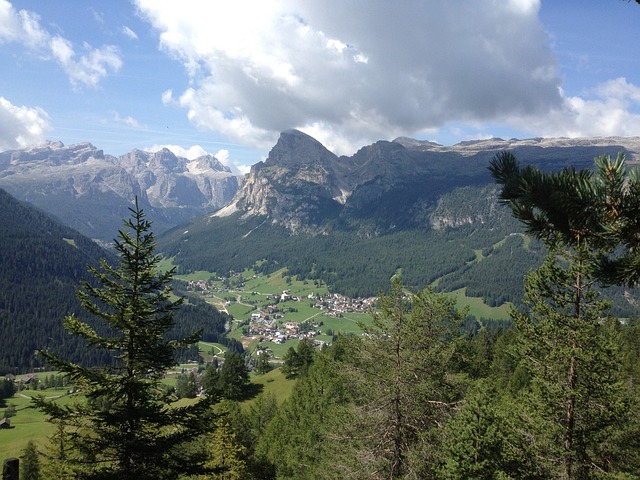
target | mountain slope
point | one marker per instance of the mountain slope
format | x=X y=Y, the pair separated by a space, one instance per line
x=42 y=264
x=427 y=211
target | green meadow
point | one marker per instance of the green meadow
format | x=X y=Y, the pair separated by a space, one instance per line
x=29 y=423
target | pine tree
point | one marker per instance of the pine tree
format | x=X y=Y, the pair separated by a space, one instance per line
x=230 y=380
x=475 y=445
x=127 y=428
x=402 y=390
x=570 y=207
x=30 y=463
x=297 y=361
x=576 y=396
x=226 y=453
x=297 y=438
x=186 y=385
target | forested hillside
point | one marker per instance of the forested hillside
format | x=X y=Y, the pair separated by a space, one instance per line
x=471 y=242
x=42 y=263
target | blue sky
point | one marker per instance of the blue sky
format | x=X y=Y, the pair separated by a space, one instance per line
x=227 y=77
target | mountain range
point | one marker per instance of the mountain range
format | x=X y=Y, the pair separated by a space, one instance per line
x=389 y=185
x=91 y=191
x=301 y=185
x=429 y=211
x=415 y=208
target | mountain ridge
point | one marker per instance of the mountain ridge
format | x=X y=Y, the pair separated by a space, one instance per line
x=306 y=188
x=430 y=212
x=92 y=192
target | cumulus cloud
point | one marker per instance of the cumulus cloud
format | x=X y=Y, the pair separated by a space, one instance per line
x=87 y=68
x=22 y=126
x=355 y=71
x=609 y=109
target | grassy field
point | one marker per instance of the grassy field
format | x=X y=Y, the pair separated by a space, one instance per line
x=28 y=423
x=274 y=383
x=478 y=308
x=31 y=424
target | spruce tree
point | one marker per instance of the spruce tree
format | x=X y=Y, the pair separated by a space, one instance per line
x=30 y=464
x=127 y=427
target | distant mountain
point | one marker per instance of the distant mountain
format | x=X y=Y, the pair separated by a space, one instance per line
x=427 y=211
x=91 y=191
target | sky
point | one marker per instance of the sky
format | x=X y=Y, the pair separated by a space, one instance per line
x=226 y=77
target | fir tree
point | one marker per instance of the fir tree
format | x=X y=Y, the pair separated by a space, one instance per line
x=127 y=428
x=30 y=464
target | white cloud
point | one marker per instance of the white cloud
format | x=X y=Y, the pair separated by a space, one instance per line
x=610 y=109
x=87 y=69
x=127 y=120
x=355 y=71
x=21 y=127
x=129 y=33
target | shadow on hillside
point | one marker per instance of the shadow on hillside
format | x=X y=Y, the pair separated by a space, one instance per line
x=252 y=390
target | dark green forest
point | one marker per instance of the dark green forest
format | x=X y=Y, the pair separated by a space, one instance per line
x=361 y=265
x=42 y=264
x=486 y=252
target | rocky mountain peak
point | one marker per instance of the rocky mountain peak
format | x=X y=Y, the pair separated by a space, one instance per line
x=295 y=148
x=207 y=162
x=52 y=153
x=65 y=180
x=306 y=188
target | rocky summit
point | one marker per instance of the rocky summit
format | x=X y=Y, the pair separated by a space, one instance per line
x=91 y=191
x=390 y=185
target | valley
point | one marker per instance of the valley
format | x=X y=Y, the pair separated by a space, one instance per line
x=328 y=278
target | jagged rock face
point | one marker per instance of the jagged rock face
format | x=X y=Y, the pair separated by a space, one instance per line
x=296 y=185
x=91 y=191
x=398 y=184
x=173 y=182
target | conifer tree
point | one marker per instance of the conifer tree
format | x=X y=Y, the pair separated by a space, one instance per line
x=575 y=401
x=298 y=440
x=127 y=427
x=475 y=444
x=230 y=380
x=226 y=452
x=398 y=374
x=297 y=361
x=576 y=398
x=30 y=464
